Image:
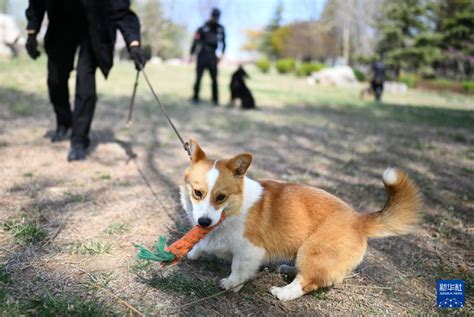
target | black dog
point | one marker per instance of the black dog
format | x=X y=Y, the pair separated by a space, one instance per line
x=238 y=90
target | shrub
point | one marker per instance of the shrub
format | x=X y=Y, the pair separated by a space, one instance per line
x=411 y=80
x=359 y=75
x=441 y=85
x=263 y=64
x=285 y=65
x=305 y=69
x=468 y=86
x=427 y=72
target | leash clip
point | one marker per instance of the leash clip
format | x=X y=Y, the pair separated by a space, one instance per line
x=187 y=148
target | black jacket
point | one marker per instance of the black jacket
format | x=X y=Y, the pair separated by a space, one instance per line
x=103 y=17
x=208 y=37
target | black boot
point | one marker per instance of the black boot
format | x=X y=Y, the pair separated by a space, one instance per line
x=77 y=152
x=195 y=101
x=60 y=134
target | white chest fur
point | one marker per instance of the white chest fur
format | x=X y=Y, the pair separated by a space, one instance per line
x=228 y=238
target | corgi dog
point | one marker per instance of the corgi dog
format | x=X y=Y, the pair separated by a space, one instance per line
x=273 y=221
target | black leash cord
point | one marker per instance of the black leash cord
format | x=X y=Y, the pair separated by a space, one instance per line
x=185 y=144
x=132 y=101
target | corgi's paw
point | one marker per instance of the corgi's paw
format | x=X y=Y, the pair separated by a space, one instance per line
x=194 y=254
x=286 y=293
x=279 y=293
x=228 y=283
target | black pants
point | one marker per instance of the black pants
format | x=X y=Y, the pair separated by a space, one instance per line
x=60 y=64
x=377 y=88
x=206 y=61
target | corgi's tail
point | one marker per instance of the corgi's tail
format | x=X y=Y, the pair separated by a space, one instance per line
x=402 y=211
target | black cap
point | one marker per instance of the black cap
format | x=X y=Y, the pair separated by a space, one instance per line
x=215 y=13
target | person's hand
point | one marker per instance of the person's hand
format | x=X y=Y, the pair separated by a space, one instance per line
x=32 y=46
x=136 y=54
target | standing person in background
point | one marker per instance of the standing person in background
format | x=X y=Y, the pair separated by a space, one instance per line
x=378 y=78
x=90 y=26
x=205 y=43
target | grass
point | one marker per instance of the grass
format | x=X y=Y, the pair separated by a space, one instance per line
x=425 y=146
x=185 y=285
x=5 y=277
x=5 y=280
x=102 y=279
x=49 y=304
x=140 y=267
x=104 y=176
x=92 y=247
x=21 y=107
x=72 y=198
x=321 y=294
x=24 y=231
x=117 y=228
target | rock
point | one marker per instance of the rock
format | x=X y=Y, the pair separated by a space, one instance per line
x=393 y=87
x=336 y=76
x=9 y=34
x=156 y=60
x=174 y=61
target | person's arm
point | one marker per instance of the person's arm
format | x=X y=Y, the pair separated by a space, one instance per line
x=223 y=41
x=196 y=40
x=127 y=21
x=35 y=15
x=129 y=25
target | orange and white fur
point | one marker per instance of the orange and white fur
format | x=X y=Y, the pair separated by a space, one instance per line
x=273 y=221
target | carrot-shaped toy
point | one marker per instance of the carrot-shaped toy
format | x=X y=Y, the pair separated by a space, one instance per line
x=177 y=250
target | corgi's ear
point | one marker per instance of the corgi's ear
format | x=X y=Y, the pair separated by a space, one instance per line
x=239 y=164
x=197 y=154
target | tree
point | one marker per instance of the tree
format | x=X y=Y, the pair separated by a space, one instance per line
x=254 y=38
x=351 y=24
x=409 y=40
x=266 y=44
x=4 y=6
x=160 y=34
x=456 y=24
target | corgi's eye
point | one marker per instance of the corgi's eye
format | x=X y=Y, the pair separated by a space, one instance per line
x=220 y=198
x=197 y=193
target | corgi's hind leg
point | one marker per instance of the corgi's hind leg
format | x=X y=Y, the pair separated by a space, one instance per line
x=323 y=262
x=290 y=291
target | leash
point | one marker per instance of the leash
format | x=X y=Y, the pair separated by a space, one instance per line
x=185 y=144
x=132 y=101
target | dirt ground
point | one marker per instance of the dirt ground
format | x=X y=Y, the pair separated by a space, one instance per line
x=68 y=229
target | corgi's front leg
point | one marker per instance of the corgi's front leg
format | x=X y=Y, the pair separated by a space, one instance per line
x=197 y=250
x=244 y=267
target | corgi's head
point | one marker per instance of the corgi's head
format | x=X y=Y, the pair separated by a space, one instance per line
x=213 y=187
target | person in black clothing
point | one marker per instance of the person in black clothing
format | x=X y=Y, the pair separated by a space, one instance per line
x=206 y=41
x=378 y=78
x=91 y=26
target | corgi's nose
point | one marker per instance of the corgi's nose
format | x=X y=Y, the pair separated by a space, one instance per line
x=204 y=221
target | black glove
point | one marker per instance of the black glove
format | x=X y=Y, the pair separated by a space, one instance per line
x=137 y=55
x=32 y=46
